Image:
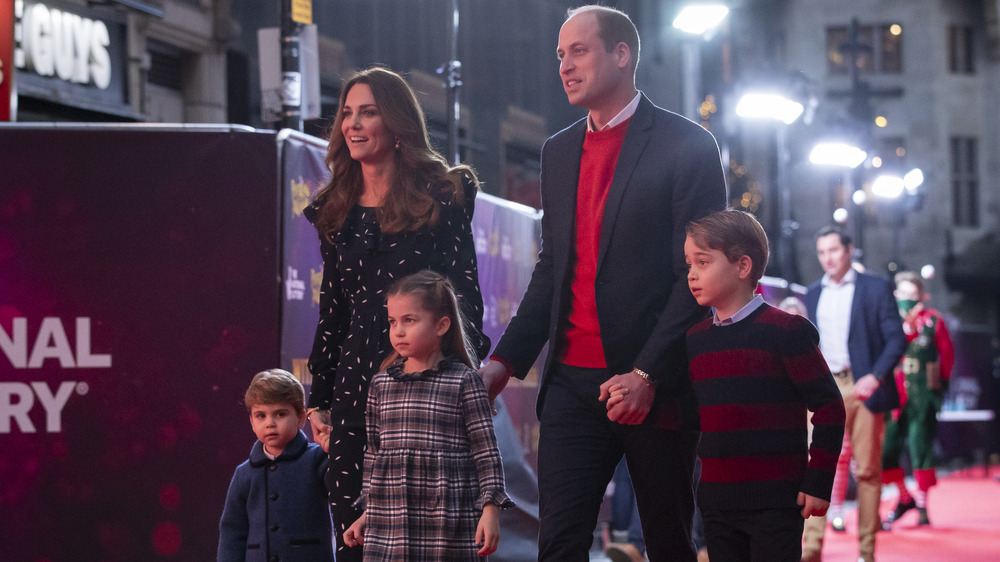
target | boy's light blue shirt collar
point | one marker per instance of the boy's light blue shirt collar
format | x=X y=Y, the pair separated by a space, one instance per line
x=742 y=313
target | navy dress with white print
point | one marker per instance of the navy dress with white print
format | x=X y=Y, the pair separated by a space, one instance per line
x=352 y=338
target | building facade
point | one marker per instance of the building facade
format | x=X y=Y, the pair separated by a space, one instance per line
x=118 y=60
x=928 y=68
x=928 y=75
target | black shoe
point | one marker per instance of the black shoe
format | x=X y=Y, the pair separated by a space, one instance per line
x=924 y=520
x=901 y=508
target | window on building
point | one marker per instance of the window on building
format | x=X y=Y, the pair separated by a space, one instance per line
x=965 y=181
x=961 y=50
x=878 y=49
x=166 y=65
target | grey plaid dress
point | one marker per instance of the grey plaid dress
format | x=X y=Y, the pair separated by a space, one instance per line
x=431 y=464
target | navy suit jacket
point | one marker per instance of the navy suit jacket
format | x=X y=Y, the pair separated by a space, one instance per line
x=875 y=340
x=668 y=173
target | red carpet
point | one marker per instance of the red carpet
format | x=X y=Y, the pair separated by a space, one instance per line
x=964 y=510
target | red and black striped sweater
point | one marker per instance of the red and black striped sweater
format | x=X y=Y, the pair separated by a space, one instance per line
x=754 y=380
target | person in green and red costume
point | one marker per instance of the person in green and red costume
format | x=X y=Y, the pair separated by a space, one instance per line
x=922 y=378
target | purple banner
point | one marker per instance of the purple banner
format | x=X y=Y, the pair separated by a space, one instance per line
x=507 y=242
x=303 y=173
x=138 y=296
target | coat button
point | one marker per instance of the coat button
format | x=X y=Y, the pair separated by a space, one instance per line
x=274 y=527
x=273 y=467
x=274 y=496
x=275 y=558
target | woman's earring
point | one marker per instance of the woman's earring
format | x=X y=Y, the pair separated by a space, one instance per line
x=397 y=144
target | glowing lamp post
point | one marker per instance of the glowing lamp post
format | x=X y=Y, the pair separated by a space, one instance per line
x=767 y=105
x=770 y=105
x=893 y=187
x=840 y=154
x=700 y=18
x=698 y=21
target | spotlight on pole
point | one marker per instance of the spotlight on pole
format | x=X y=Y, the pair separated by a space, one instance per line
x=913 y=179
x=698 y=19
x=837 y=154
x=888 y=187
x=769 y=106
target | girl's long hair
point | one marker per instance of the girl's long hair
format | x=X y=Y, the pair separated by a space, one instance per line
x=422 y=175
x=437 y=296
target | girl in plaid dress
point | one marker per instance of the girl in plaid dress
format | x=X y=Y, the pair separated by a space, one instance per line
x=433 y=482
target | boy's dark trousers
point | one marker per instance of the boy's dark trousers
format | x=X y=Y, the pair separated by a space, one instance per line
x=771 y=535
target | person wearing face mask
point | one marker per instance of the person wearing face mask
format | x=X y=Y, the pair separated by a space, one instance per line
x=922 y=377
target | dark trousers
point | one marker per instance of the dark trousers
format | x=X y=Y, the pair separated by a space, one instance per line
x=624 y=511
x=767 y=535
x=578 y=450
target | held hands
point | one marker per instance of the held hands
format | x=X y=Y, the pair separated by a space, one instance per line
x=355 y=534
x=488 y=531
x=812 y=506
x=495 y=376
x=866 y=386
x=321 y=429
x=629 y=398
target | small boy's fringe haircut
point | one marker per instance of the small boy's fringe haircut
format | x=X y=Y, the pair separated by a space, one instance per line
x=437 y=296
x=734 y=233
x=276 y=386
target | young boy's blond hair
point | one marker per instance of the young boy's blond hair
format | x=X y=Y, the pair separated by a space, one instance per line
x=735 y=234
x=276 y=386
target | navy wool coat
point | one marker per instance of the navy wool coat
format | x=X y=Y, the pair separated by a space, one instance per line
x=277 y=510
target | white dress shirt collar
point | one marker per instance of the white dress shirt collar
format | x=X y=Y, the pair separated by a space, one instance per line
x=850 y=277
x=623 y=115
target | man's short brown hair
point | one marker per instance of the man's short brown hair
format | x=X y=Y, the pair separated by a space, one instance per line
x=614 y=27
x=735 y=234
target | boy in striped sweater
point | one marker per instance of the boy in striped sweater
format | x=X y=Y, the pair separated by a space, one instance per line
x=755 y=371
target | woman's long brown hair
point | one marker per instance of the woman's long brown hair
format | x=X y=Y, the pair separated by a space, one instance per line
x=422 y=176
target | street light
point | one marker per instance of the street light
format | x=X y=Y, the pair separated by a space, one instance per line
x=699 y=18
x=774 y=106
x=894 y=187
x=769 y=105
x=839 y=154
x=888 y=187
x=913 y=179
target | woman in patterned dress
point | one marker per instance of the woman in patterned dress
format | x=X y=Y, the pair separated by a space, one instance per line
x=393 y=206
x=433 y=481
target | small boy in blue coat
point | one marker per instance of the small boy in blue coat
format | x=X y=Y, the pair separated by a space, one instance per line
x=277 y=507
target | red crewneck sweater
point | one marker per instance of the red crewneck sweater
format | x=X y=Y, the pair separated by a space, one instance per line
x=581 y=341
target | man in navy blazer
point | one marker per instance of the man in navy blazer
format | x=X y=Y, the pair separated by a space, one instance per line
x=862 y=339
x=609 y=293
